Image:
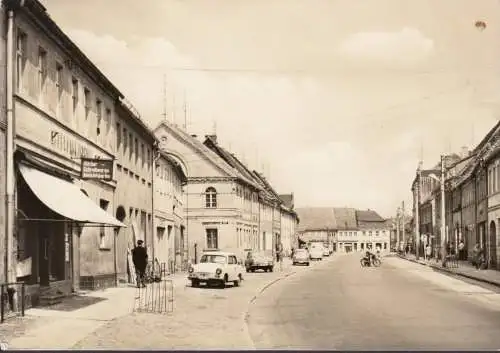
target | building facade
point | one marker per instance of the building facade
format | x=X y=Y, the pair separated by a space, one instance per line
x=289 y=223
x=221 y=204
x=64 y=113
x=169 y=183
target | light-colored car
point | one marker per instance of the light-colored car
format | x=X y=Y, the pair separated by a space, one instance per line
x=326 y=250
x=316 y=251
x=216 y=267
x=300 y=257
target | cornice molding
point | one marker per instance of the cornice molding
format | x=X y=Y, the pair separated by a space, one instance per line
x=208 y=180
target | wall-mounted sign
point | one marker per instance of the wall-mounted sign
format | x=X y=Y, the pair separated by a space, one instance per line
x=100 y=169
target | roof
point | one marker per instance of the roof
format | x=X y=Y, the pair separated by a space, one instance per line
x=267 y=186
x=287 y=200
x=315 y=218
x=374 y=225
x=177 y=167
x=196 y=144
x=345 y=218
x=368 y=216
x=243 y=173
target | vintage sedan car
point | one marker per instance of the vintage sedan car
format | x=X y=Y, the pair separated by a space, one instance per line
x=216 y=268
x=300 y=257
x=259 y=260
x=316 y=251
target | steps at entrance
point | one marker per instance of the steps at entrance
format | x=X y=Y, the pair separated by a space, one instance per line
x=50 y=296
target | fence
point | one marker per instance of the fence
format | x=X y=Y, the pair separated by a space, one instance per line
x=12 y=300
x=155 y=297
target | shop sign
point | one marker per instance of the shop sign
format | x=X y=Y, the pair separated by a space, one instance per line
x=100 y=169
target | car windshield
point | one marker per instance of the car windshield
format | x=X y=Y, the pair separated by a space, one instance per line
x=214 y=259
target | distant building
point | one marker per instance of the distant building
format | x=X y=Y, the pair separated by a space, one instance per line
x=289 y=223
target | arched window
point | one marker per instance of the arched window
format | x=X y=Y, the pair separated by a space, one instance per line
x=210 y=198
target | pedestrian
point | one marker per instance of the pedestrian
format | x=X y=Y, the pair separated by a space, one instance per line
x=140 y=260
x=428 y=252
x=279 y=255
x=461 y=250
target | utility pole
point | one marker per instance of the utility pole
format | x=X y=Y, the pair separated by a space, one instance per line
x=165 y=115
x=443 y=222
x=403 y=220
x=417 y=214
x=184 y=108
x=397 y=227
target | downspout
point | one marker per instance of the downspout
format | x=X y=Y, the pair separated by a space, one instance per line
x=258 y=223
x=10 y=274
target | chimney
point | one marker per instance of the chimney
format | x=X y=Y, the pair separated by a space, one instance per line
x=212 y=137
x=464 y=152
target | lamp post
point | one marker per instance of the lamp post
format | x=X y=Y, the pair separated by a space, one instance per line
x=417 y=214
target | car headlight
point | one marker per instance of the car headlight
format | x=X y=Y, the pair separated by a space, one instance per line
x=218 y=272
x=191 y=270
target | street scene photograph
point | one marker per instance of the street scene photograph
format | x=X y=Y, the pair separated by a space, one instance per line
x=250 y=175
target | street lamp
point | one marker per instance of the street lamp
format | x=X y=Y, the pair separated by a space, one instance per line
x=443 y=223
x=417 y=214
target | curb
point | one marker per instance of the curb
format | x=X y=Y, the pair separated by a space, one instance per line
x=245 y=316
x=441 y=269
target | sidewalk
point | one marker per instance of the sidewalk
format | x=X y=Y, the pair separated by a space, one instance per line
x=464 y=269
x=38 y=326
x=111 y=323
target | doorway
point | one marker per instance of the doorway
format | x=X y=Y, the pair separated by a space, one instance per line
x=493 y=245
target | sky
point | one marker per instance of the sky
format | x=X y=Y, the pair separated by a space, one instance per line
x=334 y=100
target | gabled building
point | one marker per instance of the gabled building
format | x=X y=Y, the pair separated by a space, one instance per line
x=289 y=223
x=221 y=202
x=374 y=231
x=316 y=224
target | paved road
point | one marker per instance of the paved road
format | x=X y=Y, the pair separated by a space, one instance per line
x=400 y=305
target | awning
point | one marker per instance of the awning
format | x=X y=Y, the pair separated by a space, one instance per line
x=65 y=198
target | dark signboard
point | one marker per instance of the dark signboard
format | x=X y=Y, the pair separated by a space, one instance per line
x=101 y=169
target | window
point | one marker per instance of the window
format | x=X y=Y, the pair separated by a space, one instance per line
x=125 y=142
x=98 y=114
x=376 y=233
x=107 y=117
x=149 y=158
x=59 y=86
x=136 y=149
x=210 y=198
x=118 y=136
x=103 y=244
x=143 y=155
x=370 y=233
x=74 y=94
x=21 y=58
x=131 y=141
x=212 y=238
x=42 y=70
x=86 y=98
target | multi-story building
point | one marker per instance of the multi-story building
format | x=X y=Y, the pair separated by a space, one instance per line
x=221 y=203
x=64 y=113
x=169 y=211
x=373 y=231
x=316 y=224
x=347 y=230
x=134 y=171
x=289 y=222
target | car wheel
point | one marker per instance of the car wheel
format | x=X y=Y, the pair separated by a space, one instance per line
x=271 y=269
x=307 y=264
x=248 y=270
x=294 y=263
x=195 y=283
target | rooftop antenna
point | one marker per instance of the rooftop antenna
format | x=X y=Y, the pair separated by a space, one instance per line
x=174 y=108
x=214 y=127
x=184 y=108
x=165 y=117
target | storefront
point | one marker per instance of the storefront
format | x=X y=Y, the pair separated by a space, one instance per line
x=52 y=213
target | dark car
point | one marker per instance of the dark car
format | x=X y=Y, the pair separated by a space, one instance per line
x=259 y=260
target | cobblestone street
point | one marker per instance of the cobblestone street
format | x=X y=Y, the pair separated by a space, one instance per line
x=210 y=318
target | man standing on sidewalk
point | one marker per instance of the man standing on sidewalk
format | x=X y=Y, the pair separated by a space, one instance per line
x=279 y=255
x=140 y=260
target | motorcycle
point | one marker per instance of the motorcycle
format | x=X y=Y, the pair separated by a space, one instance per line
x=365 y=262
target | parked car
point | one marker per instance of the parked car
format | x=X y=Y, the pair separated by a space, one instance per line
x=316 y=251
x=259 y=260
x=326 y=251
x=300 y=256
x=216 y=267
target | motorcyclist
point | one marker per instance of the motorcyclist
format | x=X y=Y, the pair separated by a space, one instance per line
x=369 y=256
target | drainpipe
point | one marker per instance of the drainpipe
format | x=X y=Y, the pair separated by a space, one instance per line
x=10 y=179
x=155 y=158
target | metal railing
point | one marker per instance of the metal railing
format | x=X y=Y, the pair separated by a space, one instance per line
x=156 y=297
x=12 y=300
